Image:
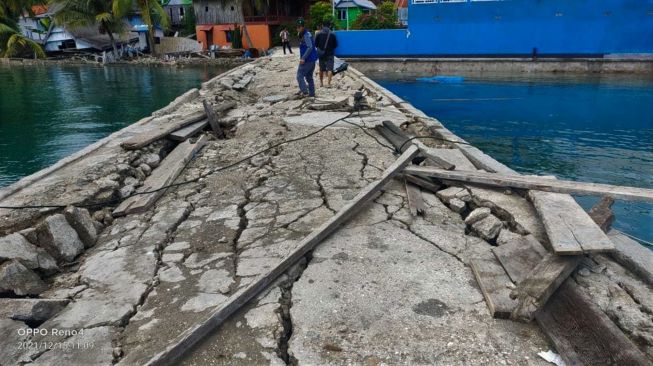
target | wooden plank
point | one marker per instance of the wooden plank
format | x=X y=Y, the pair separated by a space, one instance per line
x=195 y=334
x=213 y=120
x=538 y=183
x=519 y=256
x=188 y=131
x=162 y=176
x=397 y=137
x=538 y=286
x=583 y=334
x=415 y=200
x=602 y=213
x=425 y=183
x=147 y=137
x=495 y=286
x=569 y=228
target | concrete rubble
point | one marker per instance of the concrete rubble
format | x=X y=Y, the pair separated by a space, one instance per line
x=386 y=288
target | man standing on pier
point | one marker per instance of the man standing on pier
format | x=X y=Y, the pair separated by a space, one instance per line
x=285 y=40
x=307 y=58
x=326 y=43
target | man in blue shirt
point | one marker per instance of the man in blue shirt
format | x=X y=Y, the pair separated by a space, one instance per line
x=307 y=59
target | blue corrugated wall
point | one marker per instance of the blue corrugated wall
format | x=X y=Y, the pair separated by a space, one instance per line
x=512 y=27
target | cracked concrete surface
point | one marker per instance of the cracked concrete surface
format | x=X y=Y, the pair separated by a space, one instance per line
x=386 y=288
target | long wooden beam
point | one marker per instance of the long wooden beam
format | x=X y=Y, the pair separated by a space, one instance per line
x=195 y=334
x=537 y=183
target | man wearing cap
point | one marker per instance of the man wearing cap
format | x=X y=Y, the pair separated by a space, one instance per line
x=307 y=58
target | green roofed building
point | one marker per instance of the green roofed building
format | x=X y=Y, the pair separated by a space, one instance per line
x=348 y=10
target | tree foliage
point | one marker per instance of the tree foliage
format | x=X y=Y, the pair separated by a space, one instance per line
x=12 y=41
x=385 y=17
x=319 y=13
x=151 y=11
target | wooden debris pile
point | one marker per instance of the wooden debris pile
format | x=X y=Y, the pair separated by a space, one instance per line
x=528 y=279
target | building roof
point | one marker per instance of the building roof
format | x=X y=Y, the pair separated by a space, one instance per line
x=366 y=4
x=177 y=2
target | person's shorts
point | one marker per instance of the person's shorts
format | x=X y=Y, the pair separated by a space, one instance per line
x=326 y=63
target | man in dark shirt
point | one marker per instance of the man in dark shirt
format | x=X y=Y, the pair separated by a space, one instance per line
x=326 y=43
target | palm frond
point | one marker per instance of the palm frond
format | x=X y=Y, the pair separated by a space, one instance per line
x=17 y=43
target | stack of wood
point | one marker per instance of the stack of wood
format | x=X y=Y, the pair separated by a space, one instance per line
x=527 y=281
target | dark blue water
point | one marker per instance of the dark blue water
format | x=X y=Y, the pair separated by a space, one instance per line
x=581 y=128
x=49 y=112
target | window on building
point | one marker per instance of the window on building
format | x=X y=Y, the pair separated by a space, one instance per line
x=206 y=9
x=342 y=14
x=181 y=11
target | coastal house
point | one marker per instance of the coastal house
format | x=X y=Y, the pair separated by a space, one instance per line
x=217 y=20
x=177 y=10
x=347 y=11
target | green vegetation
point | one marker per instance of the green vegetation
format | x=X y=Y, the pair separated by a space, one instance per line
x=189 y=20
x=385 y=17
x=319 y=13
x=12 y=42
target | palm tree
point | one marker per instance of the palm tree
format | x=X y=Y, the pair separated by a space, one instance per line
x=12 y=41
x=152 y=12
x=84 y=13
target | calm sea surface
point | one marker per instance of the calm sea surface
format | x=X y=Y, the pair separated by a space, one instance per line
x=595 y=129
x=49 y=112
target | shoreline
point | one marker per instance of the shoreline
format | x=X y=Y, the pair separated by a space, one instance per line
x=154 y=62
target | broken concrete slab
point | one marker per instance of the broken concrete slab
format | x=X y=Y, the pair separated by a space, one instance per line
x=488 y=228
x=31 y=311
x=87 y=347
x=15 y=246
x=633 y=255
x=477 y=215
x=81 y=221
x=20 y=280
x=448 y=194
x=13 y=335
x=59 y=238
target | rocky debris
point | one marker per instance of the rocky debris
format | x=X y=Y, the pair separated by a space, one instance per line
x=31 y=311
x=30 y=235
x=457 y=205
x=329 y=104
x=20 y=280
x=488 y=228
x=518 y=213
x=152 y=160
x=61 y=240
x=275 y=98
x=15 y=246
x=81 y=221
x=477 y=215
x=447 y=194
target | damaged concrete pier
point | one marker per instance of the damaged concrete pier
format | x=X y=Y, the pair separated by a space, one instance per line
x=105 y=286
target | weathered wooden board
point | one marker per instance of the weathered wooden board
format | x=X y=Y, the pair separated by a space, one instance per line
x=147 y=137
x=519 y=256
x=538 y=286
x=397 y=137
x=425 y=183
x=188 y=131
x=162 y=176
x=415 y=200
x=213 y=120
x=569 y=228
x=494 y=284
x=583 y=334
x=195 y=334
x=538 y=183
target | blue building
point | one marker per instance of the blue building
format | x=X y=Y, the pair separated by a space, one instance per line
x=511 y=28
